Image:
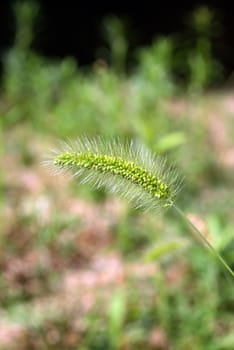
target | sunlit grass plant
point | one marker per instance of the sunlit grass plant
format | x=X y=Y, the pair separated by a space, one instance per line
x=128 y=169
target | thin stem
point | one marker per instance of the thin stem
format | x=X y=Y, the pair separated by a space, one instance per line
x=207 y=243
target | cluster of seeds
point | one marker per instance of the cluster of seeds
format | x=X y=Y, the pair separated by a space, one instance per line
x=106 y=164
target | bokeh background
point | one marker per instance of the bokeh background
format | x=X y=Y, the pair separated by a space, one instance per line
x=80 y=269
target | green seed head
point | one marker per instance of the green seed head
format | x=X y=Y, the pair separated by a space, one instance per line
x=128 y=169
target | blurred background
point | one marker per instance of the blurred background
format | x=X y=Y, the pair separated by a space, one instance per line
x=81 y=269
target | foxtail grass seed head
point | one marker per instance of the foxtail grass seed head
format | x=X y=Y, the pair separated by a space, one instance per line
x=128 y=169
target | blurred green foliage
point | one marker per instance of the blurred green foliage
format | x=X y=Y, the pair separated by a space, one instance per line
x=204 y=69
x=46 y=100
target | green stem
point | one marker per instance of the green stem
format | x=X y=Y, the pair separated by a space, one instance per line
x=204 y=240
